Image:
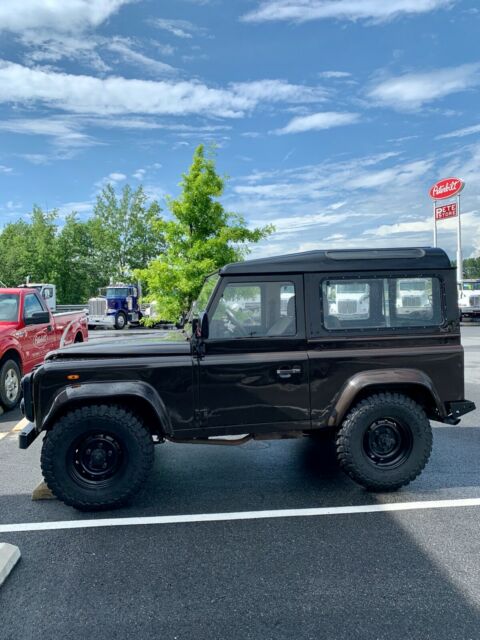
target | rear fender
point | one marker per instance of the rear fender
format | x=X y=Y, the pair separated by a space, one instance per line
x=134 y=393
x=383 y=380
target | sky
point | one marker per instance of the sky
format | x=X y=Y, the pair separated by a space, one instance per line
x=332 y=118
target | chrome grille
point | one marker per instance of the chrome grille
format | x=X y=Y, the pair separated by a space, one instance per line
x=347 y=307
x=97 y=307
x=411 y=301
x=475 y=301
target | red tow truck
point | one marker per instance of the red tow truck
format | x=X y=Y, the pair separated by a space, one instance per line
x=28 y=331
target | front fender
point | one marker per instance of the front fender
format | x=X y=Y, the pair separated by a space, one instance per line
x=378 y=379
x=98 y=391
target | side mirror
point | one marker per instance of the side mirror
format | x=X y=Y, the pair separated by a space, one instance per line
x=200 y=327
x=39 y=317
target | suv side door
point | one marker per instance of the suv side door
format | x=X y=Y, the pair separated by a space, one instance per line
x=254 y=375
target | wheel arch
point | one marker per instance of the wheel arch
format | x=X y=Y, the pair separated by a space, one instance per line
x=410 y=382
x=138 y=397
x=12 y=354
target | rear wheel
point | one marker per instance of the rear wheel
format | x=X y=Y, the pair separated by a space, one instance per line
x=120 y=321
x=384 y=442
x=10 y=389
x=97 y=457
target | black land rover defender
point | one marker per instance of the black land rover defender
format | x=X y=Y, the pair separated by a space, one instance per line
x=362 y=344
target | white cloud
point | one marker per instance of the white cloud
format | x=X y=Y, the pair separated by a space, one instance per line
x=334 y=74
x=45 y=46
x=4 y=169
x=279 y=91
x=125 y=50
x=64 y=132
x=116 y=177
x=66 y=16
x=84 y=94
x=461 y=133
x=412 y=90
x=178 y=28
x=371 y=10
x=139 y=174
x=318 y=122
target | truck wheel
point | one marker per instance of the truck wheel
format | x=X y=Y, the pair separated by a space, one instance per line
x=10 y=389
x=120 y=321
x=97 y=457
x=384 y=442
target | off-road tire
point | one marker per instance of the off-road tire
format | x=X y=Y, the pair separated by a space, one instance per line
x=9 y=372
x=61 y=457
x=120 y=321
x=353 y=452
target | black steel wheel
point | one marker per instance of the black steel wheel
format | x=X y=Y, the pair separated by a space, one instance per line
x=388 y=442
x=97 y=457
x=384 y=442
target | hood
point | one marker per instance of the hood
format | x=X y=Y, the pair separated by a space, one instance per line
x=124 y=348
x=6 y=328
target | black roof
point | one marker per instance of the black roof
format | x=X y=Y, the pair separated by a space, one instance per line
x=403 y=259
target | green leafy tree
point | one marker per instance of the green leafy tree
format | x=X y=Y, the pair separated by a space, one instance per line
x=471 y=268
x=28 y=249
x=16 y=253
x=43 y=231
x=77 y=276
x=200 y=238
x=124 y=231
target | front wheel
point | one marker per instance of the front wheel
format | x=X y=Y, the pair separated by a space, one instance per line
x=384 y=442
x=10 y=389
x=120 y=321
x=97 y=457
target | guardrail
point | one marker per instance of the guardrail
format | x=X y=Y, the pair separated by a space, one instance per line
x=62 y=308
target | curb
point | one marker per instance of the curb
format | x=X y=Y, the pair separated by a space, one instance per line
x=9 y=556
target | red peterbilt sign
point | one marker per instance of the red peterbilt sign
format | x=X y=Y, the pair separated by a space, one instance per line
x=446 y=211
x=446 y=188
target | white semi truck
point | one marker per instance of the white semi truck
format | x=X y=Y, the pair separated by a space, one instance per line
x=469 y=298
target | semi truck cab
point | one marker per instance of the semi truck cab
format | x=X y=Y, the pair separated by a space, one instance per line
x=116 y=307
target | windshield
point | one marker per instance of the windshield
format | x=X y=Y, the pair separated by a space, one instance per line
x=412 y=285
x=117 y=292
x=352 y=287
x=471 y=286
x=201 y=302
x=8 y=307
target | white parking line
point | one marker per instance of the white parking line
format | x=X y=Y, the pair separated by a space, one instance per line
x=20 y=425
x=239 y=515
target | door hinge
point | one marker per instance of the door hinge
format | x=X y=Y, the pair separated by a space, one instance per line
x=201 y=416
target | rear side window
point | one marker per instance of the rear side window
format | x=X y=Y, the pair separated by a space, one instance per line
x=381 y=303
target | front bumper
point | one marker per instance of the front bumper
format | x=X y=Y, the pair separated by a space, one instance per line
x=27 y=436
x=101 y=321
x=470 y=312
x=457 y=409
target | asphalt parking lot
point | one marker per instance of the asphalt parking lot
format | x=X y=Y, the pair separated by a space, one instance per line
x=406 y=574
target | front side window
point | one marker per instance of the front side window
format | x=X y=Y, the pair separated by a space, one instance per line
x=381 y=303
x=254 y=309
x=31 y=305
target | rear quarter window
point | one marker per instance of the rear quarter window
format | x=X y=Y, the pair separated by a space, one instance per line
x=381 y=303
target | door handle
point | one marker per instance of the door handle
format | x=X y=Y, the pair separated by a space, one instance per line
x=288 y=373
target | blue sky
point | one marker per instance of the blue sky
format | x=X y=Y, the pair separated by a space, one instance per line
x=332 y=117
